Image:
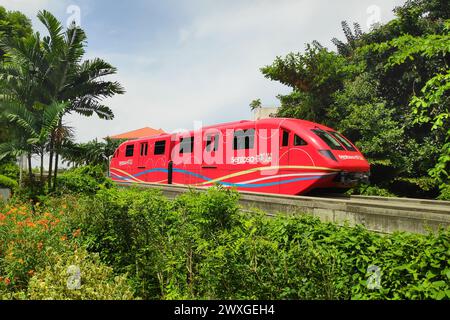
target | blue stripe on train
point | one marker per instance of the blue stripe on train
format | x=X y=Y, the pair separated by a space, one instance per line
x=229 y=184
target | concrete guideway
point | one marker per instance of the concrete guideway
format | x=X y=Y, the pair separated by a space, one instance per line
x=379 y=214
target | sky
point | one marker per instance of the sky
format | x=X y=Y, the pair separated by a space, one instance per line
x=182 y=61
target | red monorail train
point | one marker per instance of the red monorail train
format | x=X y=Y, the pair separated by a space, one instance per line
x=276 y=155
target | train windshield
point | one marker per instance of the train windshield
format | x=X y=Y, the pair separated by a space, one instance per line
x=330 y=140
x=344 y=141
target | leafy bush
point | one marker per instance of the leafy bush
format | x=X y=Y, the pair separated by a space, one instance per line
x=25 y=240
x=200 y=246
x=10 y=170
x=78 y=276
x=445 y=192
x=87 y=179
x=368 y=190
x=6 y=182
x=36 y=243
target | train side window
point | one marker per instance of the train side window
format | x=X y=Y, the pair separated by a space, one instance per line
x=129 y=151
x=209 y=143
x=160 y=147
x=186 y=145
x=244 y=139
x=285 y=141
x=299 y=141
x=144 y=149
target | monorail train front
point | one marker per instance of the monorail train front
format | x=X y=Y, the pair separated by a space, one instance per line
x=337 y=152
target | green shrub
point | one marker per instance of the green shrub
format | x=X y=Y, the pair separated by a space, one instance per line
x=78 y=276
x=444 y=192
x=6 y=182
x=201 y=246
x=87 y=179
x=27 y=235
x=371 y=190
x=10 y=170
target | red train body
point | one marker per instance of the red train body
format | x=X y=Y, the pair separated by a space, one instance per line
x=276 y=155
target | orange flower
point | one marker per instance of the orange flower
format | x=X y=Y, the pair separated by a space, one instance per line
x=44 y=223
x=2 y=217
x=54 y=223
x=31 y=224
x=7 y=281
x=76 y=233
x=31 y=273
x=48 y=215
x=64 y=238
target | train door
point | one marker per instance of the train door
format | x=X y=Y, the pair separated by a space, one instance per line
x=143 y=156
x=160 y=159
x=212 y=160
x=285 y=144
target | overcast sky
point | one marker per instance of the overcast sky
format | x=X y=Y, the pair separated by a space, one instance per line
x=182 y=61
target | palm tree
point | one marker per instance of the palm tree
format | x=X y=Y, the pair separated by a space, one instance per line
x=20 y=79
x=78 y=83
x=90 y=153
x=35 y=126
x=352 y=37
x=40 y=73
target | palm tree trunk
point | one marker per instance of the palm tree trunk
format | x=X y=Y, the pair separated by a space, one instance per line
x=42 y=166
x=50 y=162
x=30 y=170
x=56 y=170
x=58 y=148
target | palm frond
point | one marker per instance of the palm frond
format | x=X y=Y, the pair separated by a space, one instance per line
x=51 y=117
x=87 y=107
x=11 y=149
x=54 y=28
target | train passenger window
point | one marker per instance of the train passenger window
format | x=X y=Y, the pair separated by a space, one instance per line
x=244 y=139
x=299 y=141
x=209 y=142
x=160 y=147
x=186 y=145
x=332 y=142
x=344 y=141
x=144 y=149
x=129 y=151
x=285 y=141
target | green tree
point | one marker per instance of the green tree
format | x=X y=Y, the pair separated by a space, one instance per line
x=59 y=74
x=255 y=104
x=36 y=126
x=314 y=76
x=90 y=153
x=353 y=91
x=13 y=24
x=431 y=105
x=80 y=83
